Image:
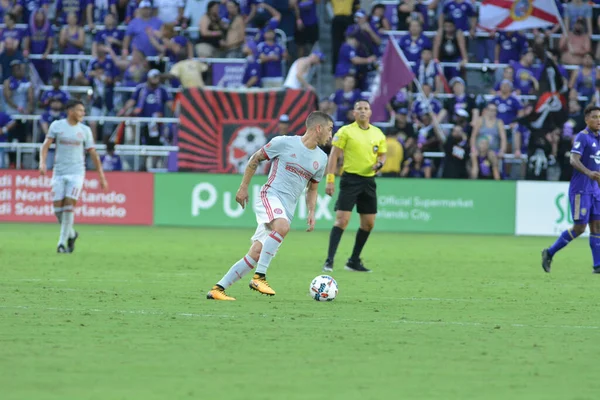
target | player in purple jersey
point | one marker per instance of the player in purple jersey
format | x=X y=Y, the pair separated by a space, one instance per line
x=297 y=164
x=584 y=193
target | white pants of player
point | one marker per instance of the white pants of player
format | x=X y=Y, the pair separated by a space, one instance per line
x=267 y=208
x=66 y=186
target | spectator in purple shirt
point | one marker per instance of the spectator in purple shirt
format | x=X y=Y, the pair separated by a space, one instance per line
x=110 y=160
x=109 y=36
x=10 y=44
x=130 y=9
x=101 y=74
x=525 y=73
x=508 y=105
x=7 y=124
x=6 y=6
x=253 y=70
x=138 y=30
x=65 y=7
x=72 y=41
x=307 y=29
x=53 y=113
x=24 y=8
x=368 y=39
x=509 y=47
x=271 y=55
x=414 y=42
x=348 y=60
x=344 y=100
x=97 y=10
x=39 y=40
x=56 y=93
x=428 y=71
x=462 y=13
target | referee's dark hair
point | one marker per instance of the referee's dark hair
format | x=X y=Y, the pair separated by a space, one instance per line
x=589 y=109
x=361 y=101
x=318 y=118
x=73 y=103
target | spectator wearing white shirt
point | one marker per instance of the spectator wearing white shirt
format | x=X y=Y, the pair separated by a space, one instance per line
x=170 y=11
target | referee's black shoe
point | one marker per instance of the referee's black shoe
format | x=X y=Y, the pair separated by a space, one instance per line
x=328 y=266
x=356 y=266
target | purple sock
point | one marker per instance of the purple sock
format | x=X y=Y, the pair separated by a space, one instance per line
x=595 y=246
x=563 y=240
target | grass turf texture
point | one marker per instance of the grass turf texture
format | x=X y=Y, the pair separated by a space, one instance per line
x=441 y=317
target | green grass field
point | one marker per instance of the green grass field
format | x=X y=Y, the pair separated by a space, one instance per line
x=441 y=317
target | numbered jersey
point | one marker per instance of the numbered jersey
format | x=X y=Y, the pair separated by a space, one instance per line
x=71 y=143
x=587 y=145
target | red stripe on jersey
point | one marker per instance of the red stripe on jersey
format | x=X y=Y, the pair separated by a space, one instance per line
x=263 y=193
x=265 y=153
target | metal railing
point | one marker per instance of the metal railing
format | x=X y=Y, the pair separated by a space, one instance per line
x=133 y=148
x=135 y=151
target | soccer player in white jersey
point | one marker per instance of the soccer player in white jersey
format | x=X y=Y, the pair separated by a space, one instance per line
x=297 y=163
x=72 y=139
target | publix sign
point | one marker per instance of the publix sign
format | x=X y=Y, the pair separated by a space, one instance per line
x=542 y=208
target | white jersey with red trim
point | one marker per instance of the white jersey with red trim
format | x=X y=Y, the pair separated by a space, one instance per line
x=293 y=166
x=71 y=143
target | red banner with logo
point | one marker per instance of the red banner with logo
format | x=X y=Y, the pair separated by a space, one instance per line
x=25 y=196
x=220 y=130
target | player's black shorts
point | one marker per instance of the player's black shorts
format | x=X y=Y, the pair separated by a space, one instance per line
x=357 y=190
x=308 y=35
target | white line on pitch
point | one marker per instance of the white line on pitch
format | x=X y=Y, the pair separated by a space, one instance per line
x=227 y=316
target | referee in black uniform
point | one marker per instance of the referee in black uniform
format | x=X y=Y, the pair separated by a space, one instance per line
x=363 y=147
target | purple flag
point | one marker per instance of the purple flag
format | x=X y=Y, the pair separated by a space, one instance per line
x=395 y=74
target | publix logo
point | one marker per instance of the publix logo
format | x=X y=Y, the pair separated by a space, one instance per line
x=563 y=208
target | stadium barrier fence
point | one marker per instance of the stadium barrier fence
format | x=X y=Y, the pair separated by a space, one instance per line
x=208 y=200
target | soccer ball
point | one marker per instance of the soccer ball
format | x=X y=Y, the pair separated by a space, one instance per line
x=323 y=288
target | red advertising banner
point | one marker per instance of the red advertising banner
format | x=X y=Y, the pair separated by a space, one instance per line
x=219 y=130
x=25 y=196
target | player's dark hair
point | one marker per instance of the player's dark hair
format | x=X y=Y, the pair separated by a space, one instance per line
x=73 y=103
x=361 y=101
x=318 y=118
x=589 y=109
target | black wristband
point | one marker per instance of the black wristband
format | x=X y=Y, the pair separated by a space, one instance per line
x=379 y=165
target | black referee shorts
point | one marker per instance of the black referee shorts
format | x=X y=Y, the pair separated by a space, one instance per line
x=357 y=190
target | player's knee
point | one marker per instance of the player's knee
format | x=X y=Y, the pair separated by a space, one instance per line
x=578 y=229
x=281 y=226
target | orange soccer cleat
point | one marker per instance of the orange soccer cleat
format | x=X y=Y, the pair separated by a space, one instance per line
x=218 y=293
x=260 y=284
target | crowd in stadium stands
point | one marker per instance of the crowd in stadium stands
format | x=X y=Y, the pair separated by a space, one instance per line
x=474 y=132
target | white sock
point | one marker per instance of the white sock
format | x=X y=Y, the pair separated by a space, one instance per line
x=58 y=211
x=269 y=249
x=237 y=271
x=66 y=225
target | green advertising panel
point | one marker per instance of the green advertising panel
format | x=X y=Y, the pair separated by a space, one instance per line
x=405 y=205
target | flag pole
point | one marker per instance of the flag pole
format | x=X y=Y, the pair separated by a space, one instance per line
x=436 y=125
x=560 y=18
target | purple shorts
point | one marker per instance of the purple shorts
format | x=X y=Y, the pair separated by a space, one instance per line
x=585 y=207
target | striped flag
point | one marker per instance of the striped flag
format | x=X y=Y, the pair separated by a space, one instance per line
x=516 y=15
x=394 y=75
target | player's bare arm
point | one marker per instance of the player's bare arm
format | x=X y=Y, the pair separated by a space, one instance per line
x=380 y=161
x=44 y=154
x=311 y=204
x=334 y=156
x=575 y=161
x=98 y=165
x=242 y=194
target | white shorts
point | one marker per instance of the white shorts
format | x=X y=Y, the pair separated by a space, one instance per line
x=267 y=208
x=66 y=186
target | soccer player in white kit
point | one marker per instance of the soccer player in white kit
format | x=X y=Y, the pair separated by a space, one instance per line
x=297 y=163
x=72 y=140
